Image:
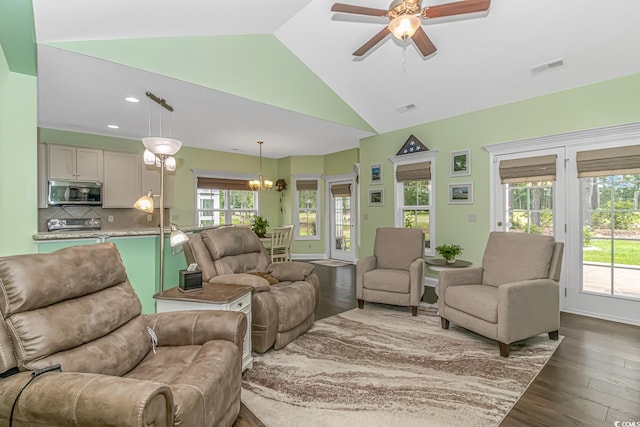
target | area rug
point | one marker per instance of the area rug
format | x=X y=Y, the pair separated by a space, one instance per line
x=382 y=367
x=331 y=262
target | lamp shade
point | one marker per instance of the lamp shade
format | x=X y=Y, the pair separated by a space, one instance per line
x=149 y=157
x=160 y=145
x=177 y=236
x=404 y=26
x=145 y=203
x=170 y=163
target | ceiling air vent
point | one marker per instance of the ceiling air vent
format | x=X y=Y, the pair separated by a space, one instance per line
x=547 y=66
x=406 y=108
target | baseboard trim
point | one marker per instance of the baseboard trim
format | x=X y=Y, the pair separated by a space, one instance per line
x=603 y=317
x=308 y=256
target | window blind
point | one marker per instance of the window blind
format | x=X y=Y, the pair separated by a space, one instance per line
x=413 y=172
x=306 y=184
x=223 y=184
x=341 y=190
x=609 y=161
x=539 y=168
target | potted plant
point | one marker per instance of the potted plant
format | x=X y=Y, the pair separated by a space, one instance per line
x=259 y=225
x=449 y=252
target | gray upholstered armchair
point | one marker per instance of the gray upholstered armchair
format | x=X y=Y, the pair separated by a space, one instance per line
x=393 y=274
x=513 y=296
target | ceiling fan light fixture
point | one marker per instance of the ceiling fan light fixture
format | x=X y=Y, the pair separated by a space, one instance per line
x=404 y=26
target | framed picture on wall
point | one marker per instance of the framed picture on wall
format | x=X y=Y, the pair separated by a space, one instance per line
x=461 y=163
x=375 y=175
x=461 y=194
x=376 y=197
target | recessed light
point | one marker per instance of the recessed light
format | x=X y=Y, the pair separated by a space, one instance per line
x=132 y=99
x=113 y=126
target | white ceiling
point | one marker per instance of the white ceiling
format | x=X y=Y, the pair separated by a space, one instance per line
x=481 y=62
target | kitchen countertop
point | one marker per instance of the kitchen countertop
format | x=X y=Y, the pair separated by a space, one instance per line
x=101 y=234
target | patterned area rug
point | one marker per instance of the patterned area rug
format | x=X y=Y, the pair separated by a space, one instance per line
x=381 y=367
x=331 y=262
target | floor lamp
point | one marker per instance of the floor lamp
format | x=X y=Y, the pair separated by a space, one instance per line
x=159 y=151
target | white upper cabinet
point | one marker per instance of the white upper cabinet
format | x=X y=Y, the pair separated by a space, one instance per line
x=121 y=186
x=75 y=163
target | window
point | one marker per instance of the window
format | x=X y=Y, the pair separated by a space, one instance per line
x=414 y=194
x=307 y=209
x=224 y=202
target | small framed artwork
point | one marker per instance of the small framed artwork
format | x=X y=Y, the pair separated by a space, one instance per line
x=376 y=197
x=375 y=176
x=461 y=163
x=461 y=194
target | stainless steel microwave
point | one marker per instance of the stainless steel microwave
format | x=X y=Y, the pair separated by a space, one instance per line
x=63 y=193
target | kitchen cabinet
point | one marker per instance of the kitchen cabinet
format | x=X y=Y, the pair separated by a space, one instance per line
x=75 y=163
x=122 y=180
x=43 y=187
x=151 y=181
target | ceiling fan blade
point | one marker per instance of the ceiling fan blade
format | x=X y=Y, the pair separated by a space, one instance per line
x=359 y=10
x=423 y=42
x=372 y=42
x=455 y=8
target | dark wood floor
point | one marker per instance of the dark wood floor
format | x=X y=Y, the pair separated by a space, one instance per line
x=593 y=378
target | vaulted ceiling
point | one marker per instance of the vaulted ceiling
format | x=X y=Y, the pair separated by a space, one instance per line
x=282 y=71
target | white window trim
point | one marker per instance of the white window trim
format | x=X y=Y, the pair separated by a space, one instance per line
x=296 y=212
x=220 y=175
x=407 y=159
x=329 y=179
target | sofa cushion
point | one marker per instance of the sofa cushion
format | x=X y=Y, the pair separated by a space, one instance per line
x=514 y=257
x=396 y=248
x=198 y=376
x=387 y=280
x=476 y=300
x=92 y=280
x=291 y=270
x=260 y=284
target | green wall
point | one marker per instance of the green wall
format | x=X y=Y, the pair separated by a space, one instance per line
x=602 y=104
x=18 y=160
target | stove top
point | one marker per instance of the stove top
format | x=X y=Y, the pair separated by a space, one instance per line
x=74 y=224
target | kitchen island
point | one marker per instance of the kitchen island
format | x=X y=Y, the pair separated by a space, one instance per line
x=139 y=249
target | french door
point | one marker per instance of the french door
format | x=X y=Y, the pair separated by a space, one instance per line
x=342 y=227
x=598 y=219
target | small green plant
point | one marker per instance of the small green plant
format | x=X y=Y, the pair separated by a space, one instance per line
x=259 y=225
x=587 y=234
x=449 y=252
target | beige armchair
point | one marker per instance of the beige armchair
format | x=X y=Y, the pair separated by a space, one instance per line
x=513 y=296
x=281 y=310
x=394 y=273
x=75 y=307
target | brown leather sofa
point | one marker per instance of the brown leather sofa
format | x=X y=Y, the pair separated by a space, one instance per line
x=280 y=312
x=76 y=308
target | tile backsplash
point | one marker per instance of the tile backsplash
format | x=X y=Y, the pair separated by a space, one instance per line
x=123 y=219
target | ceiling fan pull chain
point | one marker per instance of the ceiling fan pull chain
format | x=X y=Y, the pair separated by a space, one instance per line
x=404 y=56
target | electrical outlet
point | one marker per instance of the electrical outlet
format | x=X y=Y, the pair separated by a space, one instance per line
x=365 y=216
x=110 y=218
x=309 y=246
x=472 y=218
x=149 y=217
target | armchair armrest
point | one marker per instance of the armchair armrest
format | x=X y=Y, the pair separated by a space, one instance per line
x=259 y=284
x=197 y=327
x=81 y=399
x=364 y=265
x=290 y=270
x=527 y=308
x=416 y=274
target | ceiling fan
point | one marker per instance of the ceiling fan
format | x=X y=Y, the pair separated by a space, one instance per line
x=404 y=20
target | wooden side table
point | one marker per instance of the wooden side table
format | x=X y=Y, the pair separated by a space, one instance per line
x=219 y=296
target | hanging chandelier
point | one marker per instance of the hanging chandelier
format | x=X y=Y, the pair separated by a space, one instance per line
x=260 y=184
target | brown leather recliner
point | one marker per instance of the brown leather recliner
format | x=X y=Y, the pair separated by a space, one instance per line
x=279 y=312
x=75 y=307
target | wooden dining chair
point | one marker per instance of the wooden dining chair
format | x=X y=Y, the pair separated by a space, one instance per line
x=281 y=238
